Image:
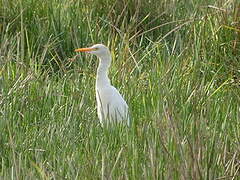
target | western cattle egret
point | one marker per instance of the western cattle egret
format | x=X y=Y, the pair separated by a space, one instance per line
x=111 y=107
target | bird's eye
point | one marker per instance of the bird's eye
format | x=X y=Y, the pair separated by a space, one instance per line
x=96 y=49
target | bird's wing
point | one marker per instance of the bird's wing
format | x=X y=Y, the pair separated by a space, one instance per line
x=117 y=97
x=110 y=96
x=110 y=102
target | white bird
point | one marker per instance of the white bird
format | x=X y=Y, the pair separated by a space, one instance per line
x=111 y=107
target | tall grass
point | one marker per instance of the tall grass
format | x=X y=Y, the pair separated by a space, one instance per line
x=175 y=62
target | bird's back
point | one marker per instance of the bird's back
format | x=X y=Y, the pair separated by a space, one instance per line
x=111 y=106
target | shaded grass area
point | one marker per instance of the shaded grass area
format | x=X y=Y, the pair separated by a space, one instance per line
x=176 y=64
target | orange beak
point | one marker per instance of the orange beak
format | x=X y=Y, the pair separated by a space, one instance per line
x=84 y=49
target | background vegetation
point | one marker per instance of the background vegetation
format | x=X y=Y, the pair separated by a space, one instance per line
x=175 y=62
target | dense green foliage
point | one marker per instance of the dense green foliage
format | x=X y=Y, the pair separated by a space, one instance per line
x=176 y=63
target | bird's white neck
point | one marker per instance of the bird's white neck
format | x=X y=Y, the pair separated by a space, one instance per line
x=102 y=71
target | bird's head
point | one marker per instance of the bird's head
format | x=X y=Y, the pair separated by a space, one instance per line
x=99 y=50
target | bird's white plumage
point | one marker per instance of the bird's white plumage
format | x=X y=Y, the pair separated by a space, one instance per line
x=111 y=107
